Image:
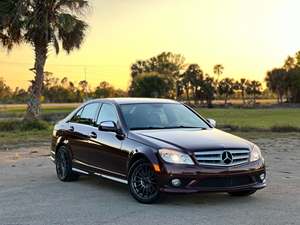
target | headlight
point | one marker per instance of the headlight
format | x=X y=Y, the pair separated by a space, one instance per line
x=255 y=154
x=172 y=156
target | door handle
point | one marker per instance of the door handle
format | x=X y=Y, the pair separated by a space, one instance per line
x=71 y=128
x=93 y=135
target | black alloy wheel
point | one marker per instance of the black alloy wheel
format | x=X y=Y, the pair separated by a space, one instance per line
x=143 y=182
x=63 y=164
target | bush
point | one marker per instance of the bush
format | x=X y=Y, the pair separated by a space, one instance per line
x=276 y=128
x=19 y=125
x=54 y=117
x=287 y=128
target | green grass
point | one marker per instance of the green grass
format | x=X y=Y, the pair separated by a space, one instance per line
x=24 y=138
x=50 y=114
x=20 y=133
x=237 y=120
x=271 y=118
x=17 y=112
x=16 y=133
x=18 y=125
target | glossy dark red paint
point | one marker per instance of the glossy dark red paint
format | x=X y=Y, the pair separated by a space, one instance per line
x=112 y=154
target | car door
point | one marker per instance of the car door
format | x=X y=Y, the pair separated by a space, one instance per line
x=107 y=145
x=81 y=129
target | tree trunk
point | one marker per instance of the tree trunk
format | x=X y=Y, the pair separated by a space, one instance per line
x=187 y=94
x=33 y=106
x=195 y=95
x=209 y=103
x=254 y=99
x=243 y=97
x=225 y=100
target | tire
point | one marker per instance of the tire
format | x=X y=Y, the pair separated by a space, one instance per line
x=241 y=193
x=142 y=182
x=63 y=164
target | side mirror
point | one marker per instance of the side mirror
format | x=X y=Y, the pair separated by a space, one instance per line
x=108 y=126
x=212 y=122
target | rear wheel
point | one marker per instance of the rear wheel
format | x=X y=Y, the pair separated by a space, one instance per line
x=241 y=193
x=142 y=182
x=63 y=164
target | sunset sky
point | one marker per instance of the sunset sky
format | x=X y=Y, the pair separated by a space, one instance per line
x=247 y=37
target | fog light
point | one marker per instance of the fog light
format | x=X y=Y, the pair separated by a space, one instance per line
x=176 y=182
x=262 y=177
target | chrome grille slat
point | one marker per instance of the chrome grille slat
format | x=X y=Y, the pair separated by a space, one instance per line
x=211 y=158
x=240 y=157
x=208 y=153
x=214 y=157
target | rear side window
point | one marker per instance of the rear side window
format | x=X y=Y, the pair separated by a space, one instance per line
x=76 y=117
x=87 y=114
x=107 y=113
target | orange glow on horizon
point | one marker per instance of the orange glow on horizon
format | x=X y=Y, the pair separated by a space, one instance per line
x=246 y=37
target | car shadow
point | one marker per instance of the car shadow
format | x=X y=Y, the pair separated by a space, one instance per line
x=105 y=185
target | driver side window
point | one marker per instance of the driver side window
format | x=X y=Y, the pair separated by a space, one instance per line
x=107 y=113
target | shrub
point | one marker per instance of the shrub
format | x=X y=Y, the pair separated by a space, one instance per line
x=286 y=128
x=54 y=117
x=19 y=125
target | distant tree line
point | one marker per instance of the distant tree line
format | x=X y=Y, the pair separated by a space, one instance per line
x=57 y=90
x=285 y=81
x=167 y=75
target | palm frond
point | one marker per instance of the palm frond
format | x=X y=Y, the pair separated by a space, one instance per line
x=71 y=31
x=72 y=5
x=11 y=22
x=55 y=43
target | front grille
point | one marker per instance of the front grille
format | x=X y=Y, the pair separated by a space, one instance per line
x=220 y=182
x=227 y=157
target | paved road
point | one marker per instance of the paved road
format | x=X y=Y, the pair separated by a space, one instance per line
x=30 y=194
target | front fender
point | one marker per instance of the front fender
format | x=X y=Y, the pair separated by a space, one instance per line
x=140 y=151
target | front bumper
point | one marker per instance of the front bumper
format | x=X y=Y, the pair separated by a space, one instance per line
x=198 y=178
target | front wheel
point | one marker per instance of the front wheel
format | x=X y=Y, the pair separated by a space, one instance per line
x=142 y=182
x=63 y=165
x=241 y=193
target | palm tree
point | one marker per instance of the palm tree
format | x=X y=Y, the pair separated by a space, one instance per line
x=253 y=89
x=241 y=85
x=191 y=79
x=42 y=23
x=289 y=63
x=226 y=88
x=276 y=82
x=207 y=90
x=218 y=70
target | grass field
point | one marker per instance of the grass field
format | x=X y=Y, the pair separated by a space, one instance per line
x=19 y=109
x=23 y=138
x=254 y=118
x=231 y=119
x=247 y=118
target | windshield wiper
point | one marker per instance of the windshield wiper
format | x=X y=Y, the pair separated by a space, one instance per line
x=146 y=128
x=182 y=126
x=172 y=127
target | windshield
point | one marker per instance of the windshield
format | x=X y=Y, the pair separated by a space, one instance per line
x=160 y=116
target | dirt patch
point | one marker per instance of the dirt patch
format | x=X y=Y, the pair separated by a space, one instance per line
x=21 y=153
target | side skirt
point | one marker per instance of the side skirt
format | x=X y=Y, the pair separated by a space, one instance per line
x=101 y=175
x=112 y=178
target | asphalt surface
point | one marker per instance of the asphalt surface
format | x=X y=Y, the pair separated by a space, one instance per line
x=30 y=194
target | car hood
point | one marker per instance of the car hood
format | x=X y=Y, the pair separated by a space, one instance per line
x=192 y=139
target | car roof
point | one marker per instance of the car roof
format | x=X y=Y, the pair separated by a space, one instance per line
x=121 y=101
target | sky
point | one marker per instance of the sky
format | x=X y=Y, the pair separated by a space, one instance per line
x=247 y=37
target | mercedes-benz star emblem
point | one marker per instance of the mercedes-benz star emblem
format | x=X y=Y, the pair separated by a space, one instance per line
x=226 y=157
